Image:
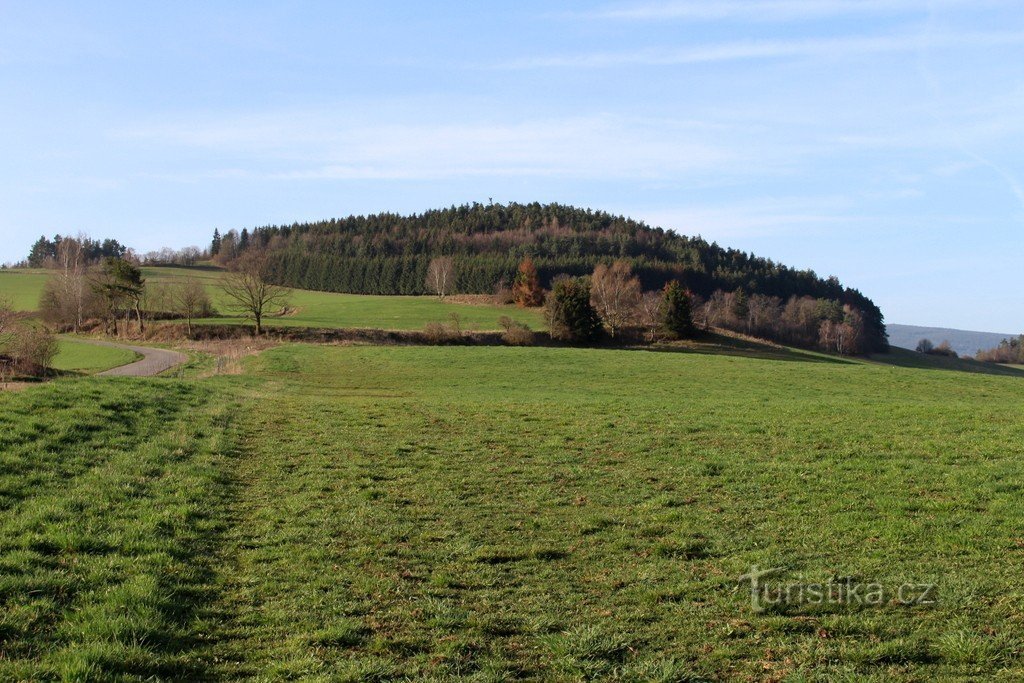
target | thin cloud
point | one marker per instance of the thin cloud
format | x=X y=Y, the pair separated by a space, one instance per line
x=769 y=49
x=758 y=10
x=318 y=147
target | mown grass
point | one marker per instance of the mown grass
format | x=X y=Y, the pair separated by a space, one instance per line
x=81 y=357
x=442 y=513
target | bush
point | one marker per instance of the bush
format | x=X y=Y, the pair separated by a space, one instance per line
x=925 y=346
x=944 y=349
x=570 y=315
x=441 y=333
x=516 y=333
x=33 y=350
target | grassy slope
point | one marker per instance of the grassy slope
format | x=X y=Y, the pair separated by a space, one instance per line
x=314 y=309
x=326 y=309
x=81 y=357
x=22 y=287
x=501 y=512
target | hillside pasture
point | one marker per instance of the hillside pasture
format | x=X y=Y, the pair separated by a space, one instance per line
x=490 y=513
x=22 y=287
x=310 y=309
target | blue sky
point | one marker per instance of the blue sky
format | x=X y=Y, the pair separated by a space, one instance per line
x=877 y=140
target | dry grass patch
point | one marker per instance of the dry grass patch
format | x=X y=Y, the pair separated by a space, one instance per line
x=227 y=354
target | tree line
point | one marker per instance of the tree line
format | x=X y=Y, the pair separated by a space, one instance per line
x=1010 y=350
x=391 y=254
x=611 y=300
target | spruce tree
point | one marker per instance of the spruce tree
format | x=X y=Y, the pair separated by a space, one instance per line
x=676 y=311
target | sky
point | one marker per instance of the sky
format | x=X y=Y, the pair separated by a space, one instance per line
x=877 y=140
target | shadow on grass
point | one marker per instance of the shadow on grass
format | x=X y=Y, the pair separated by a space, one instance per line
x=715 y=344
x=903 y=358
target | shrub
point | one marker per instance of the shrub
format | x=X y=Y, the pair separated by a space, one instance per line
x=516 y=333
x=944 y=349
x=570 y=315
x=925 y=346
x=441 y=333
x=33 y=349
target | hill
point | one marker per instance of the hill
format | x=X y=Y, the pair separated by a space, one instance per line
x=964 y=342
x=389 y=254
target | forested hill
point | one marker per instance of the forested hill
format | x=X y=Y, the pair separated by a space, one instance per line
x=389 y=254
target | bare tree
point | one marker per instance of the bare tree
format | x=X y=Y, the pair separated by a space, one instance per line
x=649 y=314
x=248 y=290
x=189 y=299
x=440 y=274
x=615 y=294
x=72 y=280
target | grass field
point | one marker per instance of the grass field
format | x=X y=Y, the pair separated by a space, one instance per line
x=376 y=513
x=312 y=309
x=22 y=287
x=81 y=357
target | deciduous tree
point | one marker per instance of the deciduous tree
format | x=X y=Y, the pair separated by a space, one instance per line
x=190 y=300
x=615 y=295
x=249 y=291
x=526 y=289
x=440 y=275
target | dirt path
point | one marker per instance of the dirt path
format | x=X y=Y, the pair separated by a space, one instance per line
x=153 y=362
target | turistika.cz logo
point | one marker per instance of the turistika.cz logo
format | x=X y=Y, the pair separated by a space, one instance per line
x=766 y=594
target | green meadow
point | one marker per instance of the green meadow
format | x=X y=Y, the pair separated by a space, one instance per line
x=332 y=310
x=492 y=513
x=311 y=309
x=80 y=357
x=22 y=287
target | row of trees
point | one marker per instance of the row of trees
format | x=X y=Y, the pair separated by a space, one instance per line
x=802 y=321
x=54 y=253
x=57 y=252
x=1009 y=351
x=80 y=290
x=391 y=254
x=612 y=300
x=580 y=309
x=115 y=292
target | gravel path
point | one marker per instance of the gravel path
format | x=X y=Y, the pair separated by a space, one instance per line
x=153 y=362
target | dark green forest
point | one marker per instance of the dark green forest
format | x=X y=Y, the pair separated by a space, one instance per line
x=388 y=254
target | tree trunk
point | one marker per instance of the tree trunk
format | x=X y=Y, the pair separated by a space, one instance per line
x=259 y=326
x=188 y=325
x=138 y=316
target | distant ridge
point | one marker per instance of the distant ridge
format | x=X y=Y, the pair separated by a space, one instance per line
x=964 y=342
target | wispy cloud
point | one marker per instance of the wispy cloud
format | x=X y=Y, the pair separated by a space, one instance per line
x=829 y=48
x=759 y=10
x=291 y=146
x=762 y=217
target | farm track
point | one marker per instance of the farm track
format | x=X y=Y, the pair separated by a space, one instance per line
x=153 y=361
